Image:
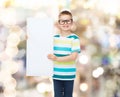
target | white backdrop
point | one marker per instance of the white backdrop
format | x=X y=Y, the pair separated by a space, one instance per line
x=39 y=45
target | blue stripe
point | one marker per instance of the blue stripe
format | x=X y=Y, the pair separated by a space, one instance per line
x=57 y=36
x=60 y=55
x=64 y=77
x=77 y=50
x=73 y=36
x=62 y=48
x=65 y=69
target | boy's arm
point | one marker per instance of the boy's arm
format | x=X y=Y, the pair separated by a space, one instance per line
x=71 y=57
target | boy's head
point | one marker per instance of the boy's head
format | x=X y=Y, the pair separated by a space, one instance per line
x=65 y=17
x=65 y=21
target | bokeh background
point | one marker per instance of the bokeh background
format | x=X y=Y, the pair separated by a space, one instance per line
x=98 y=65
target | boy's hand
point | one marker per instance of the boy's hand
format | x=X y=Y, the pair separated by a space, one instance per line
x=52 y=57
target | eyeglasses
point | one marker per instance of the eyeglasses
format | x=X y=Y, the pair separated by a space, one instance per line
x=62 y=22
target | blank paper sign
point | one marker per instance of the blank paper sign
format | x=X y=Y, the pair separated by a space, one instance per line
x=39 y=45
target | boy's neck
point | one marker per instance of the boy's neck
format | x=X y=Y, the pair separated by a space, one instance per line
x=65 y=33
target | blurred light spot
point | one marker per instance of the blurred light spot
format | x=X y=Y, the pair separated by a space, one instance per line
x=112 y=7
x=83 y=59
x=8 y=3
x=2 y=46
x=2 y=3
x=10 y=66
x=106 y=60
x=9 y=93
x=83 y=87
x=13 y=40
x=8 y=16
x=11 y=52
x=97 y=72
x=91 y=49
x=10 y=84
x=43 y=87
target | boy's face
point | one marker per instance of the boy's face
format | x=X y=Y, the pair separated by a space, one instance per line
x=65 y=22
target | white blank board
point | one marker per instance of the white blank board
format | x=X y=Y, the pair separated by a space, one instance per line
x=39 y=45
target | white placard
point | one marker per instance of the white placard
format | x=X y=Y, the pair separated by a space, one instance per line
x=39 y=45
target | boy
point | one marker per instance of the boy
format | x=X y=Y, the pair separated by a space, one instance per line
x=66 y=48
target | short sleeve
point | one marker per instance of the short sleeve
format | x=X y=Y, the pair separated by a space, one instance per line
x=76 y=45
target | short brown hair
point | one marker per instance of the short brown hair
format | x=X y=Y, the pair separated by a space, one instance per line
x=65 y=12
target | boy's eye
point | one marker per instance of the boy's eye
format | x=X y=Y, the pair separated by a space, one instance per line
x=62 y=22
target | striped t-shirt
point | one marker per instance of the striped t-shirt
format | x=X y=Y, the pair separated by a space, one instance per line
x=64 y=46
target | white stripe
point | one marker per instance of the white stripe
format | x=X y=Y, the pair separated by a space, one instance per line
x=63 y=38
x=76 y=47
x=76 y=40
x=64 y=66
x=62 y=52
x=64 y=79
x=64 y=73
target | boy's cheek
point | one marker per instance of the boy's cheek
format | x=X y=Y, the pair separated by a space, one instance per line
x=73 y=27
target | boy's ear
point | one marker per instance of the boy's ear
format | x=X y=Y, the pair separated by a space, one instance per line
x=57 y=27
x=73 y=27
x=56 y=24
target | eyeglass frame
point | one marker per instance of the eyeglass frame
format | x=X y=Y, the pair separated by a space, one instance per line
x=62 y=22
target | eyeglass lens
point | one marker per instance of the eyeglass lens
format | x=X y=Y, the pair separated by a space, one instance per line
x=65 y=21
